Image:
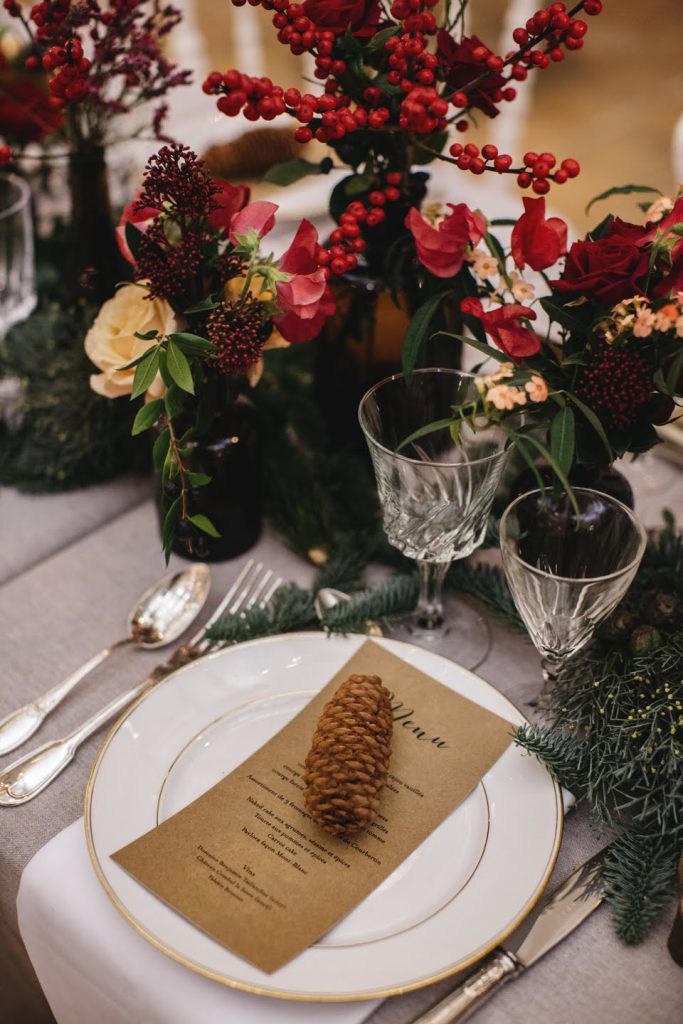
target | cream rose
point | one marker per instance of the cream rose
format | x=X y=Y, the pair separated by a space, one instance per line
x=111 y=343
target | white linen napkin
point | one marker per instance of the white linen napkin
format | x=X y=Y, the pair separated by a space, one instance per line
x=93 y=966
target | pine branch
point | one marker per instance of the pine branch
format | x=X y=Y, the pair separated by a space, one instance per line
x=640 y=880
x=560 y=754
x=291 y=609
x=487 y=583
x=394 y=598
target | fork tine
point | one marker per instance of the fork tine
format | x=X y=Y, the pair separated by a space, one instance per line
x=260 y=587
x=241 y=599
x=198 y=638
x=271 y=592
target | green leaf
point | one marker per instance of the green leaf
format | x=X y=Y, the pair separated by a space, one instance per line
x=192 y=344
x=147 y=336
x=205 y=525
x=418 y=331
x=674 y=373
x=359 y=183
x=563 y=438
x=179 y=368
x=145 y=373
x=621 y=190
x=198 y=479
x=173 y=401
x=428 y=428
x=290 y=171
x=204 y=306
x=559 y=472
x=595 y=424
x=168 y=528
x=563 y=316
x=160 y=448
x=377 y=42
x=436 y=141
x=481 y=346
x=136 y=362
x=147 y=416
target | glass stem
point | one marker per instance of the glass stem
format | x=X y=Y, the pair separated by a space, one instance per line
x=429 y=610
x=551 y=670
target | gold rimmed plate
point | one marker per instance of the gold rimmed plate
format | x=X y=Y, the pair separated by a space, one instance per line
x=456 y=897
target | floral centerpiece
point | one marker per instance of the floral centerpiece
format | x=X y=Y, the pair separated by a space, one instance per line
x=596 y=361
x=191 y=329
x=395 y=79
x=86 y=68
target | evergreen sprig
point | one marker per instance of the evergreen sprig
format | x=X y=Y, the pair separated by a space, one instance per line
x=393 y=598
x=638 y=874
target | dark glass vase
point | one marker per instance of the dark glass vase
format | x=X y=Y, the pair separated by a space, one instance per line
x=606 y=479
x=230 y=453
x=94 y=264
x=363 y=342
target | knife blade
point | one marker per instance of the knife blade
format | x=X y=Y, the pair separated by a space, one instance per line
x=564 y=910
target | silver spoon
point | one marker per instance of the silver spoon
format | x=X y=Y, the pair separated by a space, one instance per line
x=161 y=615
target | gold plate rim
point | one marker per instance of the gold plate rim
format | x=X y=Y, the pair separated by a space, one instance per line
x=286 y=995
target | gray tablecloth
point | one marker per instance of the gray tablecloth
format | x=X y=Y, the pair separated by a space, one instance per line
x=35 y=526
x=65 y=608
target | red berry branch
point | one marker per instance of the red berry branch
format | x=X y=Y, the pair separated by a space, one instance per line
x=399 y=82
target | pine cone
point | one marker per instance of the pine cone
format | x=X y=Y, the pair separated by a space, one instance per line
x=348 y=762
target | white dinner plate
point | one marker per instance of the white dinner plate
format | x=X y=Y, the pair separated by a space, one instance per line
x=455 y=898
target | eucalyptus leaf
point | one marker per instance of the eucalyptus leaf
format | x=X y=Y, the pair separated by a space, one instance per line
x=179 y=368
x=563 y=316
x=147 y=416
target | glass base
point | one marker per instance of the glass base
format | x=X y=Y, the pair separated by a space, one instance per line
x=464 y=636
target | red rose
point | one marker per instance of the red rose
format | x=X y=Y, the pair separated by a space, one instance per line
x=607 y=269
x=535 y=240
x=503 y=326
x=305 y=300
x=26 y=114
x=361 y=17
x=442 y=249
x=461 y=68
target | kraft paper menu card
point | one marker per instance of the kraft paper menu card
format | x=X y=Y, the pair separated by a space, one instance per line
x=246 y=863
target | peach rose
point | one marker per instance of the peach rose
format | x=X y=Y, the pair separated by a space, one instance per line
x=111 y=343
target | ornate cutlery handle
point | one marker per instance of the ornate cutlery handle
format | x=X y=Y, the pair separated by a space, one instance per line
x=19 y=725
x=30 y=774
x=459 y=1004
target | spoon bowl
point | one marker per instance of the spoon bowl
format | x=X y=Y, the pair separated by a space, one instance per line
x=165 y=611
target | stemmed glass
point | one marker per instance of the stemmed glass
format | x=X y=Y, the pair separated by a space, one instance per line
x=17 y=272
x=568 y=567
x=435 y=493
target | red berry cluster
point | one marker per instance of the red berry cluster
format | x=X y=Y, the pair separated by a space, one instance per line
x=536 y=173
x=617 y=385
x=71 y=80
x=347 y=240
x=557 y=28
x=5 y=155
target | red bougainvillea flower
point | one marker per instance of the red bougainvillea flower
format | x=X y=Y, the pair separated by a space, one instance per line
x=142 y=218
x=360 y=17
x=504 y=327
x=536 y=241
x=442 y=249
x=461 y=68
x=305 y=300
x=229 y=201
x=258 y=217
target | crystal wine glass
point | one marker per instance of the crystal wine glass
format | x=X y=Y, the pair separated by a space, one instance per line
x=17 y=273
x=435 y=493
x=568 y=569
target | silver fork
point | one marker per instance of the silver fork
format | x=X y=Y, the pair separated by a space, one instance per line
x=28 y=776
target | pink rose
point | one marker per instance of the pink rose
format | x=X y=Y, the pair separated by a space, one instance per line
x=305 y=300
x=535 y=240
x=503 y=326
x=141 y=217
x=442 y=249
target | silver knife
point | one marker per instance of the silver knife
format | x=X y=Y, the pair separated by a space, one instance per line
x=562 y=912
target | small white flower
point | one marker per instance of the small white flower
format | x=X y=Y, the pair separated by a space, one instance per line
x=659 y=209
x=644 y=324
x=523 y=291
x=483 y=264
